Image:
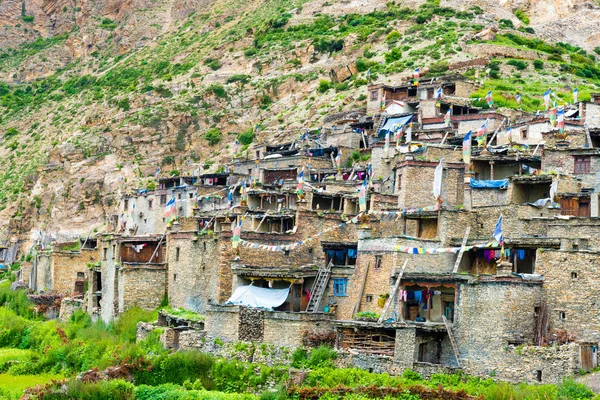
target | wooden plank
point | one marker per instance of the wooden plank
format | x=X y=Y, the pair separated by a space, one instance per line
x=444 y=138
x=157 y=247
x=462 y=250
x=495 y=133
x=362 y=290
x=454 y=348
x=390 y=300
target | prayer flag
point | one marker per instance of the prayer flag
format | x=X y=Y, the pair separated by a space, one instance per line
x=552 y=116
x=383 y=100
x=362 y=197
x=518 y=98
x=170 y=210
x=575 y=95
x=447 y=119
x=237 y=231
x=300 y=182
x=409 y=133
x=438 y=94
x=498 y=232
x=509 y=134
x=482 y=133
x=560 y=118
x=547 y=98
x=489 y=99
x=437 y=179
x=386 y=146
x=553 y=189
x=338 y=159
x=467 y=148
x=157 y=173
x=416 y=76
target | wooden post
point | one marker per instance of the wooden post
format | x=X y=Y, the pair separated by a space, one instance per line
x=496 y=132
x=390 y=300
x=157 y=247
x=462 y=250
x=362 y=289
x=261 y=221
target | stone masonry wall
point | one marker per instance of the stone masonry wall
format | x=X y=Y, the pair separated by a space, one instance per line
x=574 y=295
x=492 y=317
x=192 y=270
x=143 y=286
x=68 y=264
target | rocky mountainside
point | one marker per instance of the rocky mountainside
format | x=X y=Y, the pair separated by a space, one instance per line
x=96 y=95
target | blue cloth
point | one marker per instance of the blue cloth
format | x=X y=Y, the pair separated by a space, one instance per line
x=351 y=253
x=391 y=124
x=499 y=184
x=418 y=296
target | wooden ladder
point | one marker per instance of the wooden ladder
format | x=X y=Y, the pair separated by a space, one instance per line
x=382 y=121
x=452 y=342
x=318 y=288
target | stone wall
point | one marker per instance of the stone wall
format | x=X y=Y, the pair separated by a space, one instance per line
x=70 y=267
x=571 y=287
x=43 y=271
x=562 y=161
x=192 y=270
x=288 y=329
x=414 y=184
x=492 y=318
x=141 y=285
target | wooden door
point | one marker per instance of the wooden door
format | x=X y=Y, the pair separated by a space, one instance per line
x=584 y=208
x=587 y=357
x=569 y=206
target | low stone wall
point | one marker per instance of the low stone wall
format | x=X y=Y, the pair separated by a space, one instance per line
x=532 y=364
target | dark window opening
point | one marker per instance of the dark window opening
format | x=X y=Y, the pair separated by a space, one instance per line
x=378 y=262
x=539 y=375
x=369 y=298
x=177 y=253
x=81 y=275
x=174 y=277
x=573 y=275
x=524 y=134
x=163 y=199
x=104 y=253
x=562 y=315
x=126 y=204
x=374 y=95
x=149 y=204
x=341 y=256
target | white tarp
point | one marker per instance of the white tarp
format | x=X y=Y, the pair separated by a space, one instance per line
x=252 y=296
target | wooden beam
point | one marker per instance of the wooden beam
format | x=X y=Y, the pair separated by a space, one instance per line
x=362 y=290
x=157 y=247
x=495 y=133
x=462 y=250
x=390 y=300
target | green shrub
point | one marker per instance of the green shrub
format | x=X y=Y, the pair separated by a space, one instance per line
x=28 y=18
x=123 y=104
x=519 y=64
x=324 y=85
x=439 y=67
x=392 y=38
x=321 y=357
x=108 y=23
x=217 y=90
x=10 y=132
x=538 y=64
x=506 y=24
x=115 y=389
x=299 y=357
x=246 y=137
x=212 y=63
x=213 y=136
x=569 y=389
x=241 y=79
x=522 y=16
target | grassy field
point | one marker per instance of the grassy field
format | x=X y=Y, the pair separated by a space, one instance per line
x=12 y=386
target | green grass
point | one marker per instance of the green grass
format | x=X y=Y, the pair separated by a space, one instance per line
x=13 y=386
